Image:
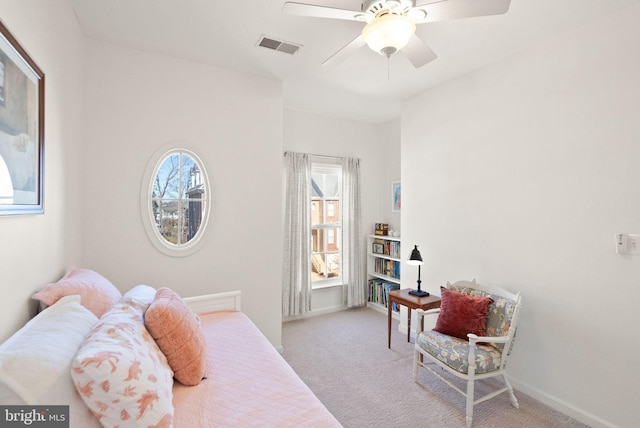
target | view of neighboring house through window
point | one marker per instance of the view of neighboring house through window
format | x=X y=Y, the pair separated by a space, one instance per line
x=177 y=205
x=178 y=198
x=326 y=224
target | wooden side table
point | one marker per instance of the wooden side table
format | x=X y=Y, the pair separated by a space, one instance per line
x=402 y=297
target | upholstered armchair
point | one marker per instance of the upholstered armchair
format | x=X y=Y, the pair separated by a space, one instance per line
x=472 y=339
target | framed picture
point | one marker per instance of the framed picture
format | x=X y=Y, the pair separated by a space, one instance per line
x=21 y=129
x=395 y=196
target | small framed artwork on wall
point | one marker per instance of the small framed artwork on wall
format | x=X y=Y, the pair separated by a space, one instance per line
x=395 y=196
x=21 y=129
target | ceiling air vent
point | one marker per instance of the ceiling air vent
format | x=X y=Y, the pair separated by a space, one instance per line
x=278 y=45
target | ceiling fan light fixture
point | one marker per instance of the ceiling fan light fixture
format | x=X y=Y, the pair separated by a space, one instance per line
x=388 y=33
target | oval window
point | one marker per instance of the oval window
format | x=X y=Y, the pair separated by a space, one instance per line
x=176 y=202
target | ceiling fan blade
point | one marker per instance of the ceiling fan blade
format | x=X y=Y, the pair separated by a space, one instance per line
x=344 y=52
x=316 y=11
x=457 y=9
x=418 y=52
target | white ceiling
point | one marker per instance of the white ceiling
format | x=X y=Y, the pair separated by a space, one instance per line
x=364 y=87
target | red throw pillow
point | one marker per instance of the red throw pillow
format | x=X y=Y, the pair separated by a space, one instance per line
x=461 y=314
x=176 y=330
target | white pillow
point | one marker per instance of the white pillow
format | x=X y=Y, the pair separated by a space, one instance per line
x=121 y=374
x=140 y=296
x=35 y=361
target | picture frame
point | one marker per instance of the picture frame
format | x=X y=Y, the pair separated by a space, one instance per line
x=21 y=129
x=395 y=196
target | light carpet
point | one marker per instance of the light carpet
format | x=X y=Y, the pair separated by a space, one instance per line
x=344 y=359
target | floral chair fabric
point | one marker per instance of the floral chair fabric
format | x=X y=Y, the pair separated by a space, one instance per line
x=454 y=352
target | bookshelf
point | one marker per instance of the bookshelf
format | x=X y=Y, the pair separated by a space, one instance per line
x=383 y=270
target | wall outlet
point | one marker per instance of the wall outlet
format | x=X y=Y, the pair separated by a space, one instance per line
x=627 y=243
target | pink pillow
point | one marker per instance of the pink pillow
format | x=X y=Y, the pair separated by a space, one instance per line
x=461 y=314
x=96 y=292
x=176 y=330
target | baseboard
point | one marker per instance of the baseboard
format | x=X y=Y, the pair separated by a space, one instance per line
x=383 y=310
x=328 y=310
x=323 y=311
x=402 y=328
x=555 y=403
x=561 y=405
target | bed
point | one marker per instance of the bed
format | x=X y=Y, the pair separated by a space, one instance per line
x=247 y=383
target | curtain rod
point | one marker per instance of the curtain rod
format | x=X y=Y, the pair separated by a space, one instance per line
x=323 y=156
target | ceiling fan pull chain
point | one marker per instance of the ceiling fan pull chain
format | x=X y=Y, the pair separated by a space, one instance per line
x=388 y=66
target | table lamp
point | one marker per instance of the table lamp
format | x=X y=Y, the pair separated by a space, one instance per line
x=416 y=260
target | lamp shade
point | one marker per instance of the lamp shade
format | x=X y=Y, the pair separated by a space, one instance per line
x=415 y=258
x=388 y=33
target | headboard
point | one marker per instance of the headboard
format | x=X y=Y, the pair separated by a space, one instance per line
x=229 y=300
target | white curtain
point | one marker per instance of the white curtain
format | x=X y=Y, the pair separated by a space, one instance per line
x=296 y=275
x=354 y=290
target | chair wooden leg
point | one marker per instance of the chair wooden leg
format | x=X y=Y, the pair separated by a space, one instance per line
x=416 y=356
x=470 y=396
x=512 y=397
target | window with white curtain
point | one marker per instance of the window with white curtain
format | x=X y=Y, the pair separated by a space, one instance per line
x=321 y=231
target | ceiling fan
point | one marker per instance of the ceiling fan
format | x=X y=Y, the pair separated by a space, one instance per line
x=391 y=24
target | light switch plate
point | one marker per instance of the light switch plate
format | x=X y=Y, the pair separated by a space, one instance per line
x=628 y=243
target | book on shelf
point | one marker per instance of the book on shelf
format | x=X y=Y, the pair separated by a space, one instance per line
x=386 y=267
x=386 y=248
x=388 y=287
x=379 y=292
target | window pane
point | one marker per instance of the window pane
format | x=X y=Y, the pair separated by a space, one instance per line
x=316 y=185
x=325 y=266
x=167 y=220
x=183 y=223
x=325 y=185
x=325 y=240
x=333 y=265
x=331 y=188
x=194 y=214
x=318 y=267
x=317 y=242
x=167 y=182
x=333 y=211
x=333 y=240
x=317 y=214
x=186 y=169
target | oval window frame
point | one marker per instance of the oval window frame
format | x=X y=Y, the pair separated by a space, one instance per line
x=148 y=220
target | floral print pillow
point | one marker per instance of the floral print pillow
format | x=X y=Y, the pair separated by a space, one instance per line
x=122 y=375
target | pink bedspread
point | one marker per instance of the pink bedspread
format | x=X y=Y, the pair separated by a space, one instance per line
x=248 y=383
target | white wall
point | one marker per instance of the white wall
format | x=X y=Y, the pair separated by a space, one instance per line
x=519 y=175
x=100 y=136
x=37 y=249
x=390 y=134
x=136 y=103
x=377 y=147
